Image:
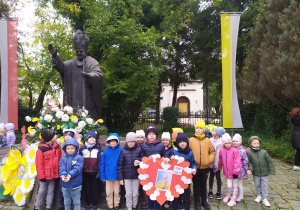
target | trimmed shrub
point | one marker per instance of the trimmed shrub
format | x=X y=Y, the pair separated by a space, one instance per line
x=170 y=118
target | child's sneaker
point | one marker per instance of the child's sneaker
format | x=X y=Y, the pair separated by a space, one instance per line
x=210 y=194
x=258 y=199
x=231 y=202
x=226 y=199
x=239 y=199
x=218 y=196
x=266 y=203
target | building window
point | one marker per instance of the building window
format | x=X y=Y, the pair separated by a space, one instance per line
x=183 y=104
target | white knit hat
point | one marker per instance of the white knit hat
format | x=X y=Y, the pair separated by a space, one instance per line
x=166 y=135
x=140 y=133
x=226 y=138
x=237 y=137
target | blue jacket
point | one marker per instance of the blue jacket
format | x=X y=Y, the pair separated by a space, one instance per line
x=149 y=149
x=91 y=157
x=3 y=141
x=109 y=161
x=126 y=168
x=189 y=157
x=71 y=165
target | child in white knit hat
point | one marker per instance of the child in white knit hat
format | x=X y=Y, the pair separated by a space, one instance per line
x=140 y=137
x=237 y=143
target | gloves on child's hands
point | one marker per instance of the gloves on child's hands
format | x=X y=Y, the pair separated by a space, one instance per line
x=235 y=176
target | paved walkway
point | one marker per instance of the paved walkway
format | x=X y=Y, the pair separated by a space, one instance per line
x=283 y=193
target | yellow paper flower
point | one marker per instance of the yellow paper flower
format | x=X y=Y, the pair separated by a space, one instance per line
x=35 y=119
x=19 y=197
x=23 y=167
x=31 y=129
x=27 y=184
x=13 y=159
x=58 y=127
x=5 y=173
x=31 y=170
x=30 y=153
x=8 y=186
x=62 y=139
x=73 y=117
x=100 y=121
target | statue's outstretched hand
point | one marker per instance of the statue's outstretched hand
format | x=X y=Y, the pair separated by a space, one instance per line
x=52 y=50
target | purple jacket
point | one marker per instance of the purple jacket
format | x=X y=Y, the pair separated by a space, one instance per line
x=230 y=160
x=244 y=162
x=10 y=138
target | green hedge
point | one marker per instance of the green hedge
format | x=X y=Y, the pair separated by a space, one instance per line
x=170 y=118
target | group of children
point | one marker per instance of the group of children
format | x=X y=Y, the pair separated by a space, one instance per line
x=84 y=167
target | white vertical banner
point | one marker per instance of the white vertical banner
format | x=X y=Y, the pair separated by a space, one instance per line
x=229 y=36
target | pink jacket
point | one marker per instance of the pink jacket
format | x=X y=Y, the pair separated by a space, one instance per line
x=230 y=160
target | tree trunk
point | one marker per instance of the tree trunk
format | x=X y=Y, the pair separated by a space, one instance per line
x=175 y=88
x=157 y=105
x=39 y=102
x=207 y=101
x=30 y=103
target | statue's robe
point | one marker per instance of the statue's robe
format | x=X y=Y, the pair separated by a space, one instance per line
x=70 y=72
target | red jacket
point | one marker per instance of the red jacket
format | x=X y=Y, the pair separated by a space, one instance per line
x=47 y=161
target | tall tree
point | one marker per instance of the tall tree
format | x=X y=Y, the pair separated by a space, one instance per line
x=35 y=65
x=272 y=64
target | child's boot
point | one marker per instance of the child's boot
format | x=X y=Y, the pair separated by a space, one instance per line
x=210 y=194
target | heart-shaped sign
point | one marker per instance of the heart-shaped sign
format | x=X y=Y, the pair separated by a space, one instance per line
x=164 y=181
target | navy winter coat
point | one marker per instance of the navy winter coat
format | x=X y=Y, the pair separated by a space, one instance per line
x=296 y=132
x=168 y=152
x=126 y=168
x=149 y=149
x=71 y=165
x=91 y=157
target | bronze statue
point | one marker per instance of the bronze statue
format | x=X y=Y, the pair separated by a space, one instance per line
x=81 y=76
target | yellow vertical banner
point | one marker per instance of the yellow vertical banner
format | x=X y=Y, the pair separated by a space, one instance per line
x=229 y=34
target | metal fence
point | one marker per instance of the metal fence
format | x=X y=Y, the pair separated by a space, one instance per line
x=186 y=120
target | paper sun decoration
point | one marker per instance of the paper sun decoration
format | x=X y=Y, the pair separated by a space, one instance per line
x=175 y=176
x=19 y=172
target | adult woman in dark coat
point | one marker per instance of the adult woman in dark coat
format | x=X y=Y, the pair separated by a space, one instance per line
x=295 y=118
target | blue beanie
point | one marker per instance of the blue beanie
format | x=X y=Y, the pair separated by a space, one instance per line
x=220 y=131
x=181 y=137
x=91 y=134
x=206 y=131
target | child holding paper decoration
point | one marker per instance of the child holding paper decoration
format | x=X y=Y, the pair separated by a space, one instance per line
x=152 y=146
x=127 y=170
x=216 y=141
x=237 y=143
x=231 y=162
x=183 y=150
